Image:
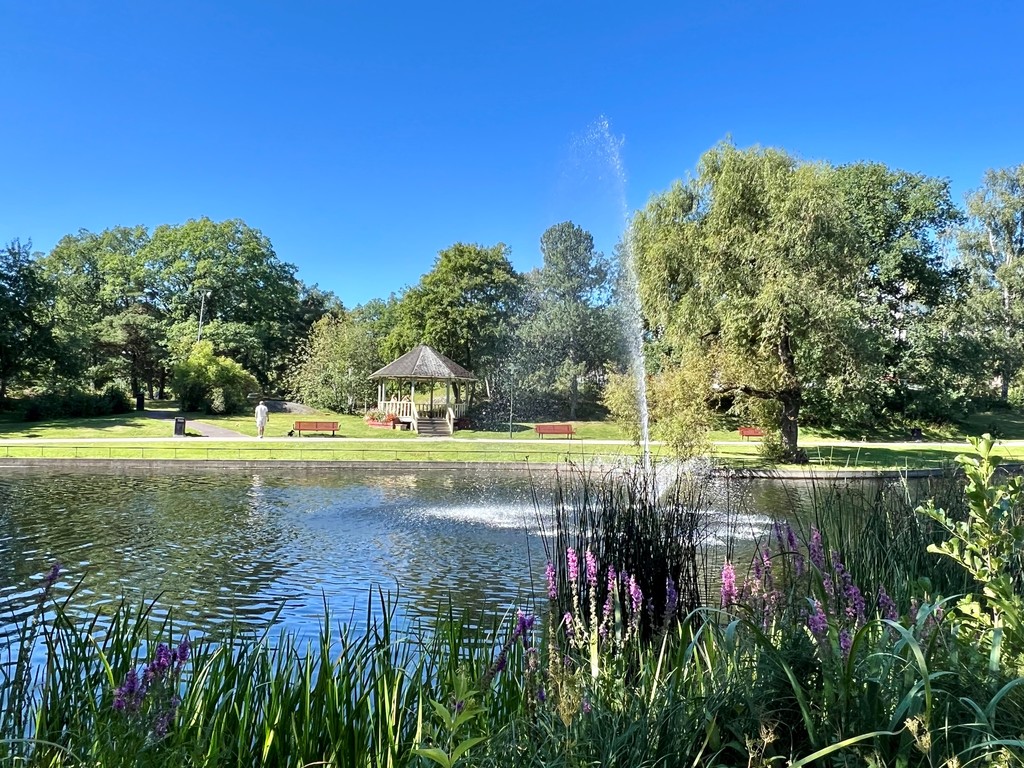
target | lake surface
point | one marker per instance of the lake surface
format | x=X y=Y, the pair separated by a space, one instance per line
x=217 y=545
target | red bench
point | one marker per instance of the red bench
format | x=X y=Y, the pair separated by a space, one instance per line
x=315 y=426
x=748 y=432
x=555 y=429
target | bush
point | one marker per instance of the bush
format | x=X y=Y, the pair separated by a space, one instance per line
x=207 y=382
x=75 y=404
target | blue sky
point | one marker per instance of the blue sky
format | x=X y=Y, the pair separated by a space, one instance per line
x=363 y=138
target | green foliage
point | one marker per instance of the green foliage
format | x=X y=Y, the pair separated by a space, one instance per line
x=463 y=307
x=332 y=366
x=992 y=247
x=567 y=331
x=75 y=404
x=989 y=546
x=204 y=381
x=25 y=333
x=753 y=270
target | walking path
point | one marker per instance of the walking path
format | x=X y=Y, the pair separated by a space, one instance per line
x=204 y=429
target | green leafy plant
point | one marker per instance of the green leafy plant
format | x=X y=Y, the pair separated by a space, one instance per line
x=448 y=745
x=988 y=545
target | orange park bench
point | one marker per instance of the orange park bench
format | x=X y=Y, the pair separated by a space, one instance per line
x=315 y=426
x=555 y=429
x=748 y=432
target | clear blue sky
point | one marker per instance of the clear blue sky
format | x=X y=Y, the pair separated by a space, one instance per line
x=364 y=137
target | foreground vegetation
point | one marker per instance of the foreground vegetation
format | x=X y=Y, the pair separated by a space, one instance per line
x=884 y=637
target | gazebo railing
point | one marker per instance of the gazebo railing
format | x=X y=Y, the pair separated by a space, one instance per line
x=403 y=409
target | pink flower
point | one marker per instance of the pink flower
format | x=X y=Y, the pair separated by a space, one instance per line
x=728 y=584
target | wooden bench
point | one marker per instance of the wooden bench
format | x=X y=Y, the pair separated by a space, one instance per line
x=748 y=432
x=555 y=429
x=315 y=426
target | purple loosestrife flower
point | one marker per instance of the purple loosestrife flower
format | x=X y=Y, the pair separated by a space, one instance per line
x=51 y=575
x=162 y=659
x=524 y=623
x=549 y=573
x=758 y=568
x=586 y=706
x=855 y=606
x=567 y=620
x=816 y=551
x=886 y=606
x=728 y=585
x=591 y=568
x=817 y=621
x=845 y=642
x=128 y=697
x=540 y=695
x=671 y=599
x=780 y=535
x=574 y=564
x=184 y=647
x=636 y=596
x=791 y=541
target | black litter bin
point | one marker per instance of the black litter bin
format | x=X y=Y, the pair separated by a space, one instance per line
x=179 y=427
x=140 y=402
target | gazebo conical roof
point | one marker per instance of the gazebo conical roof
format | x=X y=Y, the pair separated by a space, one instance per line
x=424 y=363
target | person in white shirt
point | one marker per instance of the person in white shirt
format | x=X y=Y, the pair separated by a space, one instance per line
x=262 y=417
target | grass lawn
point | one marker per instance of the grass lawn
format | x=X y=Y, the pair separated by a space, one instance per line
x=822 y=448
x=322 y=450
x=126 y=425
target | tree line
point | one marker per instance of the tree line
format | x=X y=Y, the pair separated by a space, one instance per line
x=773 y=290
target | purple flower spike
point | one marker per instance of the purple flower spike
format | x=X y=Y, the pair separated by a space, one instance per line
x=524 y=623
x=791 y=538
x=817 y=622
x=816 y=551
x=549 y=573
x=886 y=605
x=671 y=598
x=591 y=568
x=586 y=707
x=728 y=584
x=574 y=564
x=183 y=650
x=51 y=575
x=636 y=596
x=845 y=643
x=567 y=620
x=162 y=660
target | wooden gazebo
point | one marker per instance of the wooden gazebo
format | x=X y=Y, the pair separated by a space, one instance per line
x=423 y=365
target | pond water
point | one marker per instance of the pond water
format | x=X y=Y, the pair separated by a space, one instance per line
x=217 y=546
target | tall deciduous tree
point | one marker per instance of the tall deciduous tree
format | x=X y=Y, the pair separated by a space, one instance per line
x=463 y=307
x=992 y=245
x=568 y=331
x=108 y=322
x=230 y=272
x=786 y=281
x=25 y=332
x=333 y=366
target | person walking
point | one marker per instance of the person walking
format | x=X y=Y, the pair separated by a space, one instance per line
x=262 y=417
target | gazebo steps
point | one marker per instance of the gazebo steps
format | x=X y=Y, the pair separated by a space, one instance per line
x=432 y=428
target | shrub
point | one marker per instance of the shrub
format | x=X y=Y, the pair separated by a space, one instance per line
x=206 y=382
x=75 y=404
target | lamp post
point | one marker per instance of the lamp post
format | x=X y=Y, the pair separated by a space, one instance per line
x=204 y=295
x=511 y=385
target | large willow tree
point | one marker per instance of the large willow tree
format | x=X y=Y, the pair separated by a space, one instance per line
x=761 y=277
